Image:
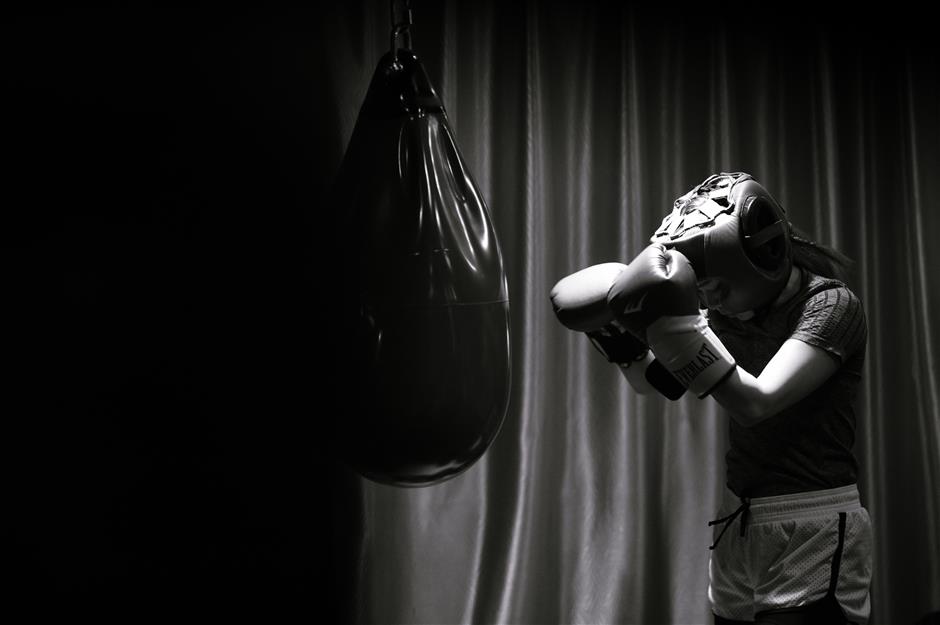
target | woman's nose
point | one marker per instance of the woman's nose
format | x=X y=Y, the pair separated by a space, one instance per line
x=710 y=293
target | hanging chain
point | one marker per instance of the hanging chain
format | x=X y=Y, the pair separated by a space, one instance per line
x=401 y=25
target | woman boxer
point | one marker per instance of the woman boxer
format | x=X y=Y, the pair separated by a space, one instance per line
x=780 y=345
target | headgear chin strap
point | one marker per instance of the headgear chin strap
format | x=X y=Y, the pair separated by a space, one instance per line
x=731 y=229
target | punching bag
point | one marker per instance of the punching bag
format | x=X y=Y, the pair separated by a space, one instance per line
x=427 y=297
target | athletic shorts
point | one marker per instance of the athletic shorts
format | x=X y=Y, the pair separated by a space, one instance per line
x=790 y=551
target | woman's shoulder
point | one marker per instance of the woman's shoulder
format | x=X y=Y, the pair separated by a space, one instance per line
x=814 y=282
x=828 y=314
x=816 y=289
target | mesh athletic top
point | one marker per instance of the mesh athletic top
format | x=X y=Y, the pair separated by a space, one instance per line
x=808 y=446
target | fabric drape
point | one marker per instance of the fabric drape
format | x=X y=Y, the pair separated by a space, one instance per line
x=581 y=123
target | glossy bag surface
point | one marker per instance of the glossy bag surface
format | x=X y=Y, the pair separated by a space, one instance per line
x=426 y=290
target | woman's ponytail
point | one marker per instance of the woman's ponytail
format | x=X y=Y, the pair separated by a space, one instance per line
x=819 y=259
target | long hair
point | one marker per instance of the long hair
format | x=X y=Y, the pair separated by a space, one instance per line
x=817 y=258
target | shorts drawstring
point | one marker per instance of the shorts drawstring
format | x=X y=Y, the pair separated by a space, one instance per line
x=728 y=520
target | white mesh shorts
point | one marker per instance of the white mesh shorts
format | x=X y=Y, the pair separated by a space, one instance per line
x=790 y=551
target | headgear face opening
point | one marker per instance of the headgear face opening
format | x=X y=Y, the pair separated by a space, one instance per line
x=733 y=232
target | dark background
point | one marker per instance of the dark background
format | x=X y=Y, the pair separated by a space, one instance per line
x=171 y=259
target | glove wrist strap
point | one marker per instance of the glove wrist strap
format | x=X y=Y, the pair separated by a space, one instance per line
x=691 y=351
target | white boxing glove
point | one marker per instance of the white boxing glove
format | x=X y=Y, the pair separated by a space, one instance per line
x=656 y=297
x=691 y=351
x=580 y=303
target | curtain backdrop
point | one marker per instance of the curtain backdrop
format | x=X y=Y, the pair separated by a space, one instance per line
x=581 y=123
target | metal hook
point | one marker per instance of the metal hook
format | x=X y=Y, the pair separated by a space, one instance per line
x=401 y=25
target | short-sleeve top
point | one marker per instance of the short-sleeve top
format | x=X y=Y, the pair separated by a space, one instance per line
x=809 y=445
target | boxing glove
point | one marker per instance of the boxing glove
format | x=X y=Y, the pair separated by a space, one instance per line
x=580 y=303
x=656 y=298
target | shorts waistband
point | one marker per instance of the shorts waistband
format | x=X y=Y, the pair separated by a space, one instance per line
x=804 y=505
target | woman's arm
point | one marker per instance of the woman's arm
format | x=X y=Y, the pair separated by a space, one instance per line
x=795 y=371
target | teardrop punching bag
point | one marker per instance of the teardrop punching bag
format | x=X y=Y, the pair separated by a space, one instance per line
x=427 y=293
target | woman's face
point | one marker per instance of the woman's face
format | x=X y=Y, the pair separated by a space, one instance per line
x=720 y=295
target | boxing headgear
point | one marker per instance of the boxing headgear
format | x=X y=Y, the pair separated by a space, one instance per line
x=732 y=230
